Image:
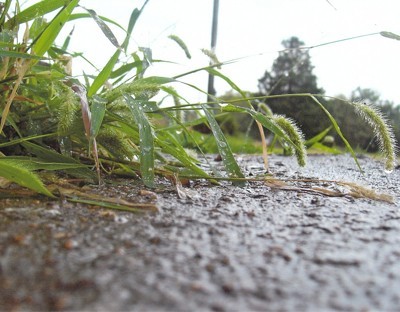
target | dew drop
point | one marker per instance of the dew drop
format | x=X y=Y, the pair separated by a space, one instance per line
x=222 y=144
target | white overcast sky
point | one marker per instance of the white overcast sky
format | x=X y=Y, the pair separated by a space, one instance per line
x=255 y=29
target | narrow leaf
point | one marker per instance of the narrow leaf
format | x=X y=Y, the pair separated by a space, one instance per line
x=102 y=77
x=86 y=15
x=46 y=39
x=103 y=26
x=163 y=140
x=390 y=35
x=216 y=73
x=98 y=112
x=125 y=69
x=20 y=55
x=267 y=122
x=24 y=177
x=38 y=9
x=132 y=21
x=224 y=149
x=30 y=163
x=146 y=139
x=318 y=137
x=48 y=155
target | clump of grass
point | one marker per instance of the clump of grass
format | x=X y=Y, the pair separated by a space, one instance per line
x=115 y=144
x=382 y=131
x=121 y=117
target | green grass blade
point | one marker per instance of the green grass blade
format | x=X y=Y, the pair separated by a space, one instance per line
x=106 y=205
x=163 y=140
x=132 y=21
x=339 y=132
x=32 y=164
x=46 y=39
x=29 y=138
x=22 y=176
x=76 y=16
x=101 y=78
x=67 y=41
x=216 y=73
x=39 y=9
x=261 y=118
x=104 y=27
x=20 y=55
x=48 y=155
x=107 y=70
x=4 y=11
x=317 y=138
x=146 y=139
x=224 y=149
x=121 y=71
x=98 y=110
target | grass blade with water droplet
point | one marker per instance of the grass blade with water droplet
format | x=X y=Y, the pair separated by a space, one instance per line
x=224 y=149
x=146 y=139
x=107 y=70
x=103 y=26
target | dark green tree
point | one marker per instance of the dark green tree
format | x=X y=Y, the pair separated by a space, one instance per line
x=292 y=72
x=365 y=95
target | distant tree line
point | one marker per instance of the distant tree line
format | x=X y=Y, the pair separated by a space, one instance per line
x=292 y=73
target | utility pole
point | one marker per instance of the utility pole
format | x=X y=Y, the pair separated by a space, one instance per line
x=211 y=91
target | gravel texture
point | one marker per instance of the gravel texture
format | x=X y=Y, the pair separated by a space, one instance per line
x=266 y=246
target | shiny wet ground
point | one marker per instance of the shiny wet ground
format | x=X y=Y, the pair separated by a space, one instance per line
x=213 y=248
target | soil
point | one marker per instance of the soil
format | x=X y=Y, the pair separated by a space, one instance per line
x=260 y=247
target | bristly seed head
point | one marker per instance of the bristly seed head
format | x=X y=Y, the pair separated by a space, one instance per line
x=382 y=131
x=295 y=135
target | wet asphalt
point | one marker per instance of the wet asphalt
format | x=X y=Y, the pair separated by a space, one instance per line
x=260 y=247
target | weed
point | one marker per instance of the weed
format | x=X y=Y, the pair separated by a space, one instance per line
x=115 y=120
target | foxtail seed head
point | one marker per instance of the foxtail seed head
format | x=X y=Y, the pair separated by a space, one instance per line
x=382 y=131
x=295 y=135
